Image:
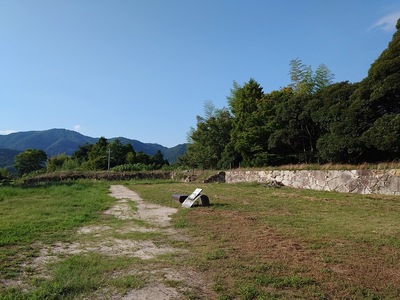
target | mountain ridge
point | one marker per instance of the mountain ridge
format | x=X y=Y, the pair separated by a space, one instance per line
x=58 y=140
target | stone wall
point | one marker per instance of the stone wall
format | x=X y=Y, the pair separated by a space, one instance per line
x=352 y=181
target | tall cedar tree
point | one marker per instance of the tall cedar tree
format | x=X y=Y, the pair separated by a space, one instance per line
x=247 y=104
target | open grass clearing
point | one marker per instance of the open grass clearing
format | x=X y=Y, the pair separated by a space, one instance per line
x=254 y=242
x=121 y=253
x=258 y=242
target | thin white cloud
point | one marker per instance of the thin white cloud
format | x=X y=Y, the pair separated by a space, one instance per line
x=387 y=23
x=7 y=131
x=77 y=128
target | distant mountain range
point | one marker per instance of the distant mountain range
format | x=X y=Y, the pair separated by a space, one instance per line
x=58 y=141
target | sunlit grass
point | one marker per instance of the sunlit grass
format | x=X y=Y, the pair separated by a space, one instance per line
x=47 y=213
x=78 y=275
x=253 y=242
x=289 y=230
x=44 y=214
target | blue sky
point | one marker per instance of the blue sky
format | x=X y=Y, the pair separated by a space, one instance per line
x=143 y=69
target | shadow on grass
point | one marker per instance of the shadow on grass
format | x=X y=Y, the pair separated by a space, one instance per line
x=213 y=205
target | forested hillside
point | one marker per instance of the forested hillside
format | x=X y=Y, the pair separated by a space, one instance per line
x=7 y=158
x=312 y=120
x=61 y=141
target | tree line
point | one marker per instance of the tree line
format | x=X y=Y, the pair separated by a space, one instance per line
x=312 y=120
x=102 y=155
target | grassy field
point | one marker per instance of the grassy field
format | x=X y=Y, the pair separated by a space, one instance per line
x=253 y=242
x=257 y=242
x=33 y=217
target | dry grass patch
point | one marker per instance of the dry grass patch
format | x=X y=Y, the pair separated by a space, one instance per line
x=256 y=242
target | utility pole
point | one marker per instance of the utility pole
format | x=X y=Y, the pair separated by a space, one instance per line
x=109 y=156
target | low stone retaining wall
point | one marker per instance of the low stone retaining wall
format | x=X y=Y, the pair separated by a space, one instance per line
x=352 y=181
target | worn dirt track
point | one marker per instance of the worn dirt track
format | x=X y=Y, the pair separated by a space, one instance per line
x=160 y=217
x=99 y=239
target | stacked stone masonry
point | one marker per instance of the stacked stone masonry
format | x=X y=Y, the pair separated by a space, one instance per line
x=351 y=181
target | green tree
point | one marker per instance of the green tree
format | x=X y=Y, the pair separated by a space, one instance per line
x=296 y=133
x=157 y=160
x=97 y=157
x=208 y=140
x=329 y=103
x=142 y=158
x=56 y=162
x=377 y=96
x=30 y=160
x=301 y=77
x=82 y=154
x=249 y=131
x=305 y=81
x=130 y=158
x=230 y=157
x=296 y=72
x=323 y=77
x=129 y=153
x=328 y=108
x=383 y=81
x=5 y=176
x=384 y=135
x=337 y=118
x=117 y=153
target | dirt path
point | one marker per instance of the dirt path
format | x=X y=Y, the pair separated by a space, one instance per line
x=101 y=239
x=152 y=213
